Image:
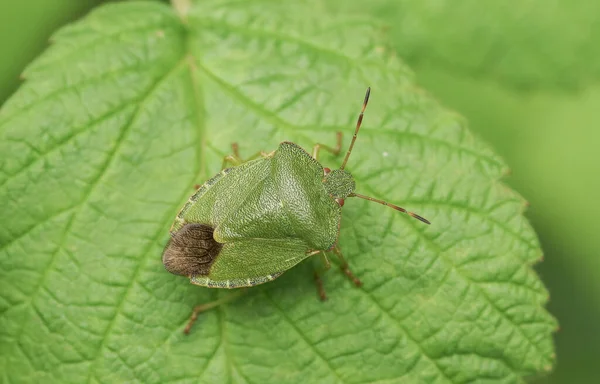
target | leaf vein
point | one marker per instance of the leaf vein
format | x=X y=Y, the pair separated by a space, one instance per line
x=304 y=338
x=138 y=268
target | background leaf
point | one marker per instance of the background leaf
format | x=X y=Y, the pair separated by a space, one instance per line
x=533 y=43
x=131 y=107
x=24 y=30
x=551 y=141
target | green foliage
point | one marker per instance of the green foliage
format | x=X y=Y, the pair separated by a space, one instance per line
x=24 y=30
x=535 y=43
x=133 y=106
x=551 y=141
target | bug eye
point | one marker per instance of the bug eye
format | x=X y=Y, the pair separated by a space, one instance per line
x=326 y=171
x=340 y=202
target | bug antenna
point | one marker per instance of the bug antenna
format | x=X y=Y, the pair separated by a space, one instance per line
x=397 y=208
x=358 y=123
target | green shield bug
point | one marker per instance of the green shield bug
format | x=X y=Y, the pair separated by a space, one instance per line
x=255 y=220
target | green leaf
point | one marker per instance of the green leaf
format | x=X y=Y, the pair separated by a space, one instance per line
x=533 y=43
x=136 y=103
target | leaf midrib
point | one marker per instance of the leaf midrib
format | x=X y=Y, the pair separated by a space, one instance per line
x=187 y=62
x=150 y=244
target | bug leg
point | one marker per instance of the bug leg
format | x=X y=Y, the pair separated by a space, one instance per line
x=319 y=269
x=231 y=159
x=335 y=151
x=320 y=289
x=235 y=148
x=205 y=307
x=257 y=155
x=236 y=153
x=235 y=159
x=345 y=268
x=325 y=260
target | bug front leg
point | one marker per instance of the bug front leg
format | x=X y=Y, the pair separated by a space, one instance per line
x=335 y=151
x=235 y=159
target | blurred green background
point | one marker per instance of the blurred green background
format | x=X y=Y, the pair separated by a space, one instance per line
x=550 y=137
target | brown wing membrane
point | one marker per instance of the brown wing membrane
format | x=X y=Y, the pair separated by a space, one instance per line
x=191 y=250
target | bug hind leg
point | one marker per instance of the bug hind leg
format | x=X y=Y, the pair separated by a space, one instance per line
x=344 y=267
x=325 y=265
x=318 y=271
x=198 y=309
x=320 y=288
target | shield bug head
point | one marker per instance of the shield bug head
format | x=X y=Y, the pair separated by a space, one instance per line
x=340 y=183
